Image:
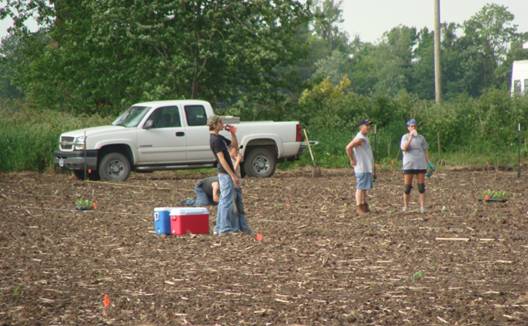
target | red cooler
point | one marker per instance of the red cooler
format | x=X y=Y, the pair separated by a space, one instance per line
x=193 y=220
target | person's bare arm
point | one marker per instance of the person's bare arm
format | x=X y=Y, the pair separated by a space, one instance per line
x=236 y=164
x=234 y=140
x=227 y=168
x=427 y=156
x=216 y=191
x=405 y=146
x=350 y=152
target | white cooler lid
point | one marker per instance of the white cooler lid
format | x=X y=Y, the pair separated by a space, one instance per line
x=189 y=211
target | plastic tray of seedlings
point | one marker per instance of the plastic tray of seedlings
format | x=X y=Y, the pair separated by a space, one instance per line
x=84 y=204
x=491 y=196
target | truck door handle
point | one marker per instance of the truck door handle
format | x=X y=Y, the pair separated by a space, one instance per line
x=180 y=134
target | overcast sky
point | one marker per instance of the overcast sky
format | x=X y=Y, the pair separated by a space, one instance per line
x=371 y=18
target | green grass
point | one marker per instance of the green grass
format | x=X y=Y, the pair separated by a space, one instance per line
x=28 y=137
x=330 y=153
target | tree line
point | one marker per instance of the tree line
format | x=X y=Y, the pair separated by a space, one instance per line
x=254 y=57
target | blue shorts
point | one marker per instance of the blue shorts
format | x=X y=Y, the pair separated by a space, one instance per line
x=364 y=181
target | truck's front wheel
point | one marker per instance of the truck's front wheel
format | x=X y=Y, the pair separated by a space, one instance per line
x=114 y=167
x=260 y=162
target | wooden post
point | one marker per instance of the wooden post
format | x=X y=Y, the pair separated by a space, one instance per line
x=85 y=159
x=519 y=150
x=375 y=141
x=437 y=66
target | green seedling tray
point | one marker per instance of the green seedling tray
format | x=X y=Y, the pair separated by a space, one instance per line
x=494 y=200
x=80 y=208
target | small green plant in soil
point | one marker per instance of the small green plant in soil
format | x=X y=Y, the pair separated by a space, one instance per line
x=417 y=276
x=84 y=204
x=491 y=195
x=18 y=291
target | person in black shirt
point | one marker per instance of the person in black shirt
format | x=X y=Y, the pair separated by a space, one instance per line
x=227 y=220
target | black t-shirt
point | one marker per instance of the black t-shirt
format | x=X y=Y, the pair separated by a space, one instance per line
x=219 y=144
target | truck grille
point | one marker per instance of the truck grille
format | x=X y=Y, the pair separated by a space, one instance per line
x=66 y=143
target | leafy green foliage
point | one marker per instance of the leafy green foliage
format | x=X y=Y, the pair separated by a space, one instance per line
x=28 y=137
x=460 y=131
x=280 y=59
x=101 y=55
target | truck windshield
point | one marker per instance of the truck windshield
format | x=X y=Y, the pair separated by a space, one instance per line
x=131 y=117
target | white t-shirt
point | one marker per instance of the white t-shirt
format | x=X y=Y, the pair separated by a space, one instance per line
x=414 y=156
x=363 y=155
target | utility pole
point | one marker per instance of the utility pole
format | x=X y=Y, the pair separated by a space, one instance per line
x=438 y=67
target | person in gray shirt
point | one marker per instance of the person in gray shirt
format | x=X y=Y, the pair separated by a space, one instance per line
x=415 y=163
x=207 y=193
x=361 y=158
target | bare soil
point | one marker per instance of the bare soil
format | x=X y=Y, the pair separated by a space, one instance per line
x=318 y=264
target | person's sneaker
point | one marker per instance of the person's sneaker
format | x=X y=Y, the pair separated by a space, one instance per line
x=247 y=232
x=422 y=210
x=366 y=206
x=404 y=209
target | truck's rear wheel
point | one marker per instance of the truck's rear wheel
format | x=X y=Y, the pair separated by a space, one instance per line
x=114 y=167
x=260 y=162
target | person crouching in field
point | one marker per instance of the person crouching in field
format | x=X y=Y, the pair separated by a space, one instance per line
x=361 y=158
x=207 y=193
x=415 y=163
x=227 y=177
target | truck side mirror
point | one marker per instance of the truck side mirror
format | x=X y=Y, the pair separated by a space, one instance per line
x=148 y=124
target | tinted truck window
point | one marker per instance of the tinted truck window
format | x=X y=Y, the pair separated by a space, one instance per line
x=195 y=115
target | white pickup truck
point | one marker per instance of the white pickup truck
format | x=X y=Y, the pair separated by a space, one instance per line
x=171 y=135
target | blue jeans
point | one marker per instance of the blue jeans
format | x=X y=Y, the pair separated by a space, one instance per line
x=238 y=218
x=201 y=198
x=224 y=213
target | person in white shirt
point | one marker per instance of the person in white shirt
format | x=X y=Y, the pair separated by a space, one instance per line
x=415 y=163
x=361 y=158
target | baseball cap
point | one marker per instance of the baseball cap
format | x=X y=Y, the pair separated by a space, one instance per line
x=364 y=122
x=411 y=122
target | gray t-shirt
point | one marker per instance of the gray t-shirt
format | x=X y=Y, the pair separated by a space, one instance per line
x=363 y=155
x=207 y=186
x=414 y=157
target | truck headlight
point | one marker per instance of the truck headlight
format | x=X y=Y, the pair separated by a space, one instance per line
x=78 y=145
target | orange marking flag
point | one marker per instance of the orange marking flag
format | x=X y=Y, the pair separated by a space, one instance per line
x=106 y=301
